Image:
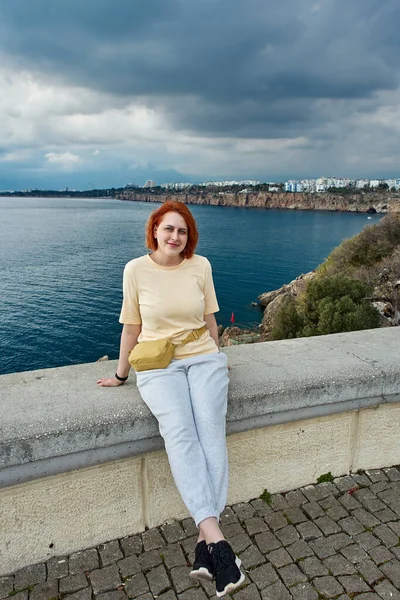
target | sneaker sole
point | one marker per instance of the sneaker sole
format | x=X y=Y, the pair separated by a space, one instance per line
x=201 y=573
x=232 y=586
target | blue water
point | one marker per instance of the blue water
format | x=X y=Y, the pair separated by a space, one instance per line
x=61 y=263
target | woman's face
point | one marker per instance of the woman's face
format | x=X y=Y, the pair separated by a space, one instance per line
x=171 y=234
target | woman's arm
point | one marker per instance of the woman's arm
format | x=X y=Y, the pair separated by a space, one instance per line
x=129 y=337
x=212 y=327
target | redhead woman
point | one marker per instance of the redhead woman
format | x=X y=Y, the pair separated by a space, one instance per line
x=169 y=293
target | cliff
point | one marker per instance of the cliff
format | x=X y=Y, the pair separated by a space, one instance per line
x=373 y=202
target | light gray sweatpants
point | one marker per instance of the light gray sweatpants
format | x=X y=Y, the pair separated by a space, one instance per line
x=189 y=400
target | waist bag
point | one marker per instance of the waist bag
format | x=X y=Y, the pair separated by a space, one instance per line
x=157 y=354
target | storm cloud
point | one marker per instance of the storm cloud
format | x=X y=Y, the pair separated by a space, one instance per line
x=195 y=90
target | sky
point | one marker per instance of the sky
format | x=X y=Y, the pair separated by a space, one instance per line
x=102 y=93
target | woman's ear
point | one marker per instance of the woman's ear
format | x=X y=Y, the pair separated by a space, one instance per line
x=155 y=232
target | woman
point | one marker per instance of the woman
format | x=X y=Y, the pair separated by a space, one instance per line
x=168 y=294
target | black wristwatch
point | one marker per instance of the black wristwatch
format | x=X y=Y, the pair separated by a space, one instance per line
x=123 y=379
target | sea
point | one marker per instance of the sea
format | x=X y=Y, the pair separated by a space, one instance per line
x=61 y=264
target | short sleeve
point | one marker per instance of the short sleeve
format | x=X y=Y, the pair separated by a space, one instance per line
x=210 y=298
x=130 y=311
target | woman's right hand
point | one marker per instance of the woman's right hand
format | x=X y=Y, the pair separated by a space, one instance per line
x=109 y=382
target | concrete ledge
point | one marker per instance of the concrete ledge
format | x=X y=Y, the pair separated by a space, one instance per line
x=73 y=424
x=81 y=465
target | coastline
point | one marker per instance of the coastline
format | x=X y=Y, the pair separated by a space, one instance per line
x=370 y=202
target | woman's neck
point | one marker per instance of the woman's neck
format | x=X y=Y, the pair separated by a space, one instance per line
x=165 y=261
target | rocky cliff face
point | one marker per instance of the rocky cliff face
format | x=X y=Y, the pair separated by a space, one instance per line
x=373 y=202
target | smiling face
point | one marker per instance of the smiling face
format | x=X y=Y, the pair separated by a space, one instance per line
x=172 y=236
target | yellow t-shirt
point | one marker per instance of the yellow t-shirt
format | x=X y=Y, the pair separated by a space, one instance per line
x=169 y=302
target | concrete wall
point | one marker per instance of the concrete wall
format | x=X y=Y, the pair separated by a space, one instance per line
x=80 y=465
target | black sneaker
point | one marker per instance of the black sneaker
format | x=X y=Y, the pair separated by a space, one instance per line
x=228 y=575
x=203 y=567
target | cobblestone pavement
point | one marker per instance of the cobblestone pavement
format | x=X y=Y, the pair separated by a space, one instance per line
x=336 y=539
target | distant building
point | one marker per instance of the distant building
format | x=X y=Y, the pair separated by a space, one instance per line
x=150 y=184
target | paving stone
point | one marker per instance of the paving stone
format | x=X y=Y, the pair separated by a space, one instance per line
x=136 y=585
x=395 y=527
x=392 y=473
x=328 y=502
x=173 y=532
x=279 y=558
x=276 y=521
x=348 y=502
x=110 y=553
x=387 y=535
x=158 y=580
x=299 y=550
x=255 y=525
x=278 y=502
x=181 y=579
x=72 y=583
x=30 y=575
x=328 y=586
x=45 y=590
x=170 y=595
x=308 y=530
x=367 y=596
x=340 y=540
x=261 y=507
x=208 y=587
x=327 y=525
x=244 y=510
x=263 y=576
x=354 y=553
x=364 y=495
x=105 y=579
x=351 y=525
x=87 y=560
x=313 y=510
x=129 y=566
x=369 y=571
x=85 y=594
x=380 y=555
x=337 y=512
x=150 y=559
x=152 y=539
x=132 y=545
x=386 y=591
x=173 y=556
x=188 y=545
x=304 y=591
x=277 y=591
x=361 y=479
x=295 y=498
x=295 y=515
x=192 y=594
x=327 y=488
x=392 y=571
x=376 y=475
x=267 y=542
x=292 y=575
x=228 y=516
x=386 y=515
x=114 y=595
x=322 y=547
x=366 y=518
x=57 y=567
x=354 y=584
x=345 y=483
x=189 y=526
x=312 y=493
x=396 y=551
x=380 y=487
x=287 y=535
x=6 y=586
x=313 y=567
x=338 y=565
x=366 y=540
x=20 y=595
x=233 y=529
x=240 y=542
x=389 y=496
x=252 y=557
x=249 y=593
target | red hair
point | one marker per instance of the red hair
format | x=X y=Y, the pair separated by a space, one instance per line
x=156 y=218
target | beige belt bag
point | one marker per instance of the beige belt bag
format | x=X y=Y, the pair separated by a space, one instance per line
x=158 y=354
